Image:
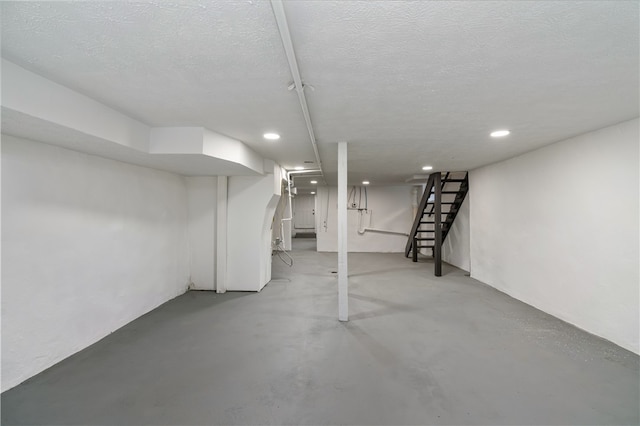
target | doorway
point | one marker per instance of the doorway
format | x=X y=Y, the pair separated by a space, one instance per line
x=304 y=223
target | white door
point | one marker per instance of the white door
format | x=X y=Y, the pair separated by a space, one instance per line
x=303 y=212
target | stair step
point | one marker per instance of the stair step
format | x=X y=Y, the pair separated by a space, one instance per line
x=445 y=192
x=444 y=202
x=427 y=216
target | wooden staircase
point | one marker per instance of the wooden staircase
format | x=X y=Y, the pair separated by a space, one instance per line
x=440 y=203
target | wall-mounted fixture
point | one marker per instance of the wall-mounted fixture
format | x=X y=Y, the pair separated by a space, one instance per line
x=314 y=182
x=365 y=182
x=427 y=168
x=299 y=168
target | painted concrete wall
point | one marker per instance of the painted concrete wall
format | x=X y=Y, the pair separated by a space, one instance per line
x=558 y=229
x=390 y=208
x=456 y=247
x=252 y=203
x=202 y=195
x=88 y=245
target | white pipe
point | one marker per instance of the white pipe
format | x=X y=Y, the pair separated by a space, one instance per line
x=414 y=201
x=290 y=211
x=290 y=218
x=285 y=36
x=384 y=231
x=289 y=173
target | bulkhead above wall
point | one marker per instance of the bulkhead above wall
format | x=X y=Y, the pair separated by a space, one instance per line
x=39 y=109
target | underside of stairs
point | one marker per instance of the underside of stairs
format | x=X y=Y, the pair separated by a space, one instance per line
x=440 y=203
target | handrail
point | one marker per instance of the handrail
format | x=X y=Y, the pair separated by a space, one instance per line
x=418 y=218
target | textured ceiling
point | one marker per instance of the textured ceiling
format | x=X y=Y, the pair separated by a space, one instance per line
x=424 y=83
x=405 y=83
x=220 y=65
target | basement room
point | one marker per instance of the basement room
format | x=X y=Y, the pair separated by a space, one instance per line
x=280 y=212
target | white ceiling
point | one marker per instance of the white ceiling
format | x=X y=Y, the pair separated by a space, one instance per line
x=405 y=83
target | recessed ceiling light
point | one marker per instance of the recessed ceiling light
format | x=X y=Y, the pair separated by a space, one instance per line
x=427 y=168
x=499 y=133
x=365 y=182
x=314 y=182
x=271 y=136
x=299 y=168
x=313 y=193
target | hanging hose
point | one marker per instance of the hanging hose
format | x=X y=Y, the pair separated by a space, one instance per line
x=279 y=251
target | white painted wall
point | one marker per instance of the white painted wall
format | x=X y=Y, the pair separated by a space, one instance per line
x=251 y=207
x=456 y=247
x=88 y=245
x=390 y=208
x=558 y=229
x=202 y=195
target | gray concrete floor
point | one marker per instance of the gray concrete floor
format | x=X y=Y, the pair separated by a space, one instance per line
x=417 y=350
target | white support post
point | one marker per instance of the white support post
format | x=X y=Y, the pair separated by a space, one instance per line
x=221 y=236
x=343 y=269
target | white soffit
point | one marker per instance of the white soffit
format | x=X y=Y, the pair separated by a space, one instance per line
x=16 y=124
x=218 y=65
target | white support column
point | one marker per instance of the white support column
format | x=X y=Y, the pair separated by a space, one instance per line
x=221 y=236
x=343 y=269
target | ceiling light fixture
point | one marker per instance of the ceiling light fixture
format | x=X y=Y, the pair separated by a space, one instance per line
x=314 y=182
x=365 y=182
x=427 y=168
x=313 y=193
x=271 y=136
x=299 y=168
x=499 y=133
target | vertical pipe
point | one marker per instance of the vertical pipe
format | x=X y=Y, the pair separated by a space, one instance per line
x=415 y=249
x=414 y=201
x=221 y=236
x=343 y=270
x=437 y=249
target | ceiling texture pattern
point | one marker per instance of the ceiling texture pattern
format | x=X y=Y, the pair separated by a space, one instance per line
x=405 y=83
